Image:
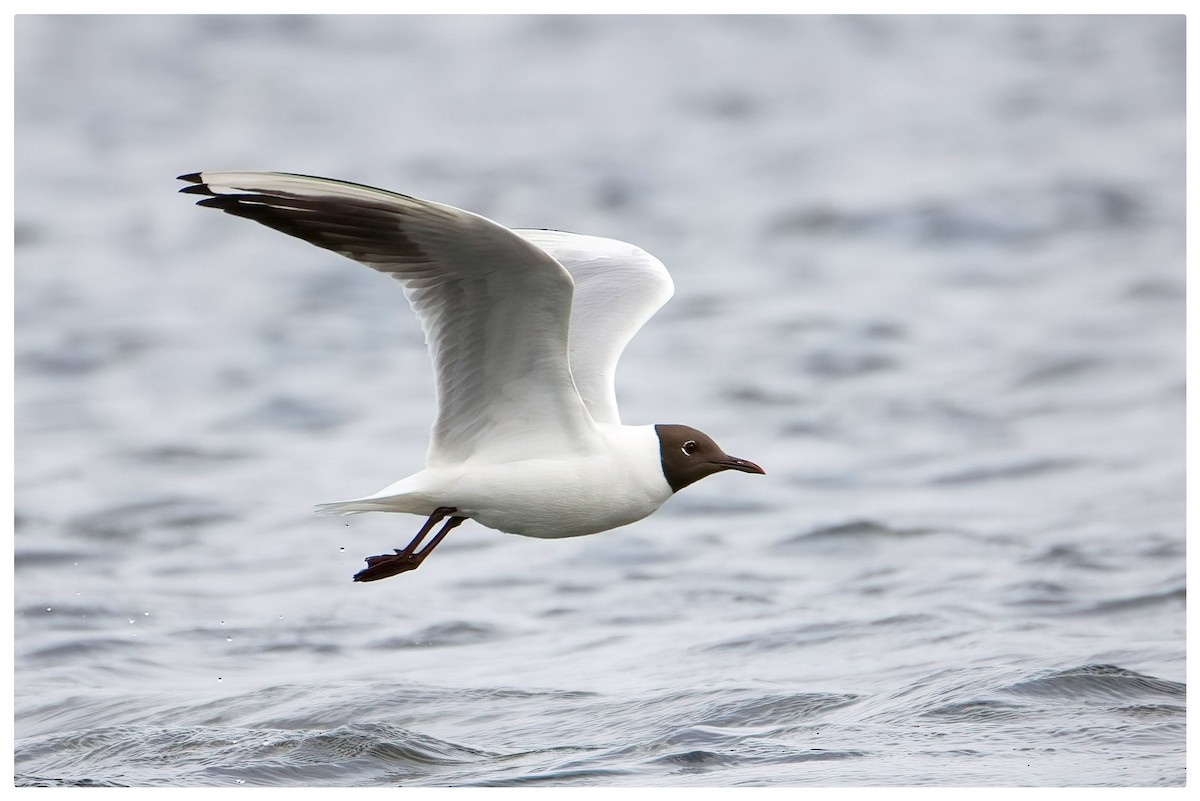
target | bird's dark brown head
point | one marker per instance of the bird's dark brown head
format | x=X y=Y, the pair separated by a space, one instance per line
x=689 y=455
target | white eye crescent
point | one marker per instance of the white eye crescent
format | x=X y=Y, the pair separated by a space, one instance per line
x=689 y=447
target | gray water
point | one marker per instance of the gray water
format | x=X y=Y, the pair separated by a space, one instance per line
x=930 y=275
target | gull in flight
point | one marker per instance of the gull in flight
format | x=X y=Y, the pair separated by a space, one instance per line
x=525 y=328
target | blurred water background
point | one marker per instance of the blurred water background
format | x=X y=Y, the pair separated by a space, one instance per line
x=930 y=275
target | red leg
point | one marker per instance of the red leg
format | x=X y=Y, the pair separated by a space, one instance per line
x=433 y=520
x=380 y=567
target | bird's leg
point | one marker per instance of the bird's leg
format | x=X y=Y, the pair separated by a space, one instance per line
x=433 y=520
x=379 y=567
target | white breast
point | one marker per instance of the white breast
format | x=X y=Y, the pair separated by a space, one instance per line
x=551 y=498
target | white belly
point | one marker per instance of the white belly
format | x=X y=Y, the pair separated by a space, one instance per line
x=547 y=498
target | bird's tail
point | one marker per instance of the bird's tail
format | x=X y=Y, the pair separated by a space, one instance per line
x=377 y=503
x=351 y=507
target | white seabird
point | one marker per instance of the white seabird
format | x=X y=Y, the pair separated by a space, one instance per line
x=525 y=328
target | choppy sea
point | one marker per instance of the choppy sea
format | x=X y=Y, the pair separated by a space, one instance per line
x=930 y=275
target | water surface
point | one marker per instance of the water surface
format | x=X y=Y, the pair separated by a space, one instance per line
x=930 y=275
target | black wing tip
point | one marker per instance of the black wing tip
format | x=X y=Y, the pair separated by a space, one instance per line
x=223 y=202
x=196 y=185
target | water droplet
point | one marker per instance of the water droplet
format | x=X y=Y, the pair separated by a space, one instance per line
x=131 y=621
x=342 y=549
x=228 y=639
x=48 y=608
x=219 y=679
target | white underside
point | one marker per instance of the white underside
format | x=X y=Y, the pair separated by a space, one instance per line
x=569 y=496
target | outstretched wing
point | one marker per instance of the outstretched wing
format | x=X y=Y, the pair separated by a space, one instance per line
x=618 y=287
x=495 y=309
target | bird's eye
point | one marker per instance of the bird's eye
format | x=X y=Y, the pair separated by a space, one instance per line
x=689 y=447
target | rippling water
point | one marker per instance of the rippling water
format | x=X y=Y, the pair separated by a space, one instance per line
x=930 y=275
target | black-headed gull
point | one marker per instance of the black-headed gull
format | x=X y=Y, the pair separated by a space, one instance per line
x=525 y=328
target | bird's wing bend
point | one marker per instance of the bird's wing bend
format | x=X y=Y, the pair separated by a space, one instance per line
x=618 y=287
x=495 y=309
